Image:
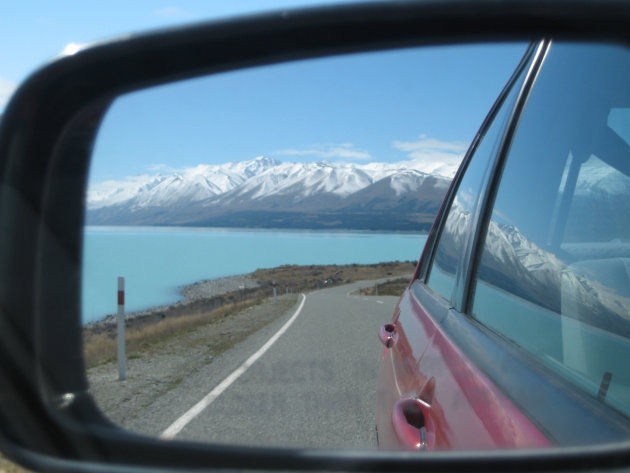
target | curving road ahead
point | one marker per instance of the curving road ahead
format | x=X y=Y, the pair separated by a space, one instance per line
x=314 y=387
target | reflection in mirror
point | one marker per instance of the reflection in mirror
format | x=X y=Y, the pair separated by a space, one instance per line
x=265 y=222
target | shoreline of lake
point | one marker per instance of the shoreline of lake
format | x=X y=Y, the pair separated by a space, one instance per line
x=157 y=263
x=209 y=294
x=197 y=291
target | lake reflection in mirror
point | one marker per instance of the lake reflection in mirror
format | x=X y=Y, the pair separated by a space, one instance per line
x=266 y=222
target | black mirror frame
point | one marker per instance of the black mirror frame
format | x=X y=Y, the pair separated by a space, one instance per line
x=47 y=419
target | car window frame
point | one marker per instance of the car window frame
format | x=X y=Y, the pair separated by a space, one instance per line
x=529 y=66
x=473 y=258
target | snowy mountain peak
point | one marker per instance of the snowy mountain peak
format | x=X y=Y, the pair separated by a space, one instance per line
x=210 y=194
x=179 y=187
x=406 y=180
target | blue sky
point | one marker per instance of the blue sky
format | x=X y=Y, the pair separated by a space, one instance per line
x=34 y=31
x=421 y=104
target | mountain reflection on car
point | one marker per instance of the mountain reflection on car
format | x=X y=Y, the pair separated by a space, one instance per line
x=519 y=315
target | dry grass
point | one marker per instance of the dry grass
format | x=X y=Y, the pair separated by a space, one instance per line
x=394 y=287
x=7 y=466
x=101 y=347
x=310 y=277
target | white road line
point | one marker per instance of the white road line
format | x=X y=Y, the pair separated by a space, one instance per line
x=194 y=411
x=380 y=302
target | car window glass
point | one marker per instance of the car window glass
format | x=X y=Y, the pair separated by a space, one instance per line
x=456 y=230
x=554 y=272
x=619 y=122
x=599 y=210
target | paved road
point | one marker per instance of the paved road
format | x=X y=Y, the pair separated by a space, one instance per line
x=315 y=387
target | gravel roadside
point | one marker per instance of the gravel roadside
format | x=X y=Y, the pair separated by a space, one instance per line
x=155 y=372
x=214 y=287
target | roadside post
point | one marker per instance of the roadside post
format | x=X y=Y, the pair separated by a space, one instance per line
x=122 y=361
x=275 y=296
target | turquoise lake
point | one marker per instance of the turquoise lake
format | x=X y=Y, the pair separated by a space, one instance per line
x=158 y=261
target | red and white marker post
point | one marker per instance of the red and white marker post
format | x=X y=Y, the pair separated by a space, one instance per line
x=275 y=297
x=122 y=360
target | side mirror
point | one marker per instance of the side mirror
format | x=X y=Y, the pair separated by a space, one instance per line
x=48 y=419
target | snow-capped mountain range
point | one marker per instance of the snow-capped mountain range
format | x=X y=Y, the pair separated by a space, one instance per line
x=267 y=193
x=188 y=185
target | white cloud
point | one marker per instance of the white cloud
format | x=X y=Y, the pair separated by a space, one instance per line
x=433 y=156
x=172 y=12
x=332 y=151
x=6 y=90
x=72 y=48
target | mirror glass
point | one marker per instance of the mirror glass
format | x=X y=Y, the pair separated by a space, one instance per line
x=265 y=222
